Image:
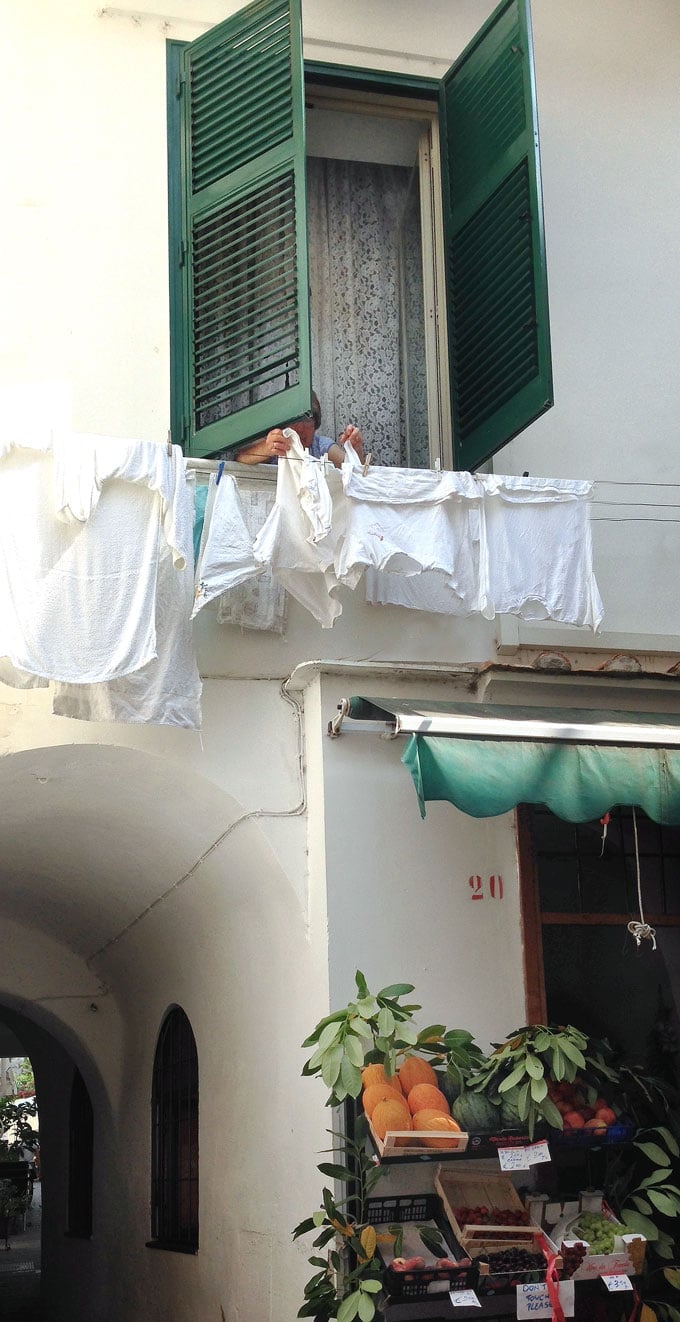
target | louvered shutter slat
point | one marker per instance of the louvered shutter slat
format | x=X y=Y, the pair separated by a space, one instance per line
x=249 y=366
x=495 y=261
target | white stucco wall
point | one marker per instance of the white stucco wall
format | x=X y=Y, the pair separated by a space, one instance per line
x=270 y=927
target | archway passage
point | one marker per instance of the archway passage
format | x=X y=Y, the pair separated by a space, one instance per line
x=20 y=1192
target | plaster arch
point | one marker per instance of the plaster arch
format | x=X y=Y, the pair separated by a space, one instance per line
x=126 y=886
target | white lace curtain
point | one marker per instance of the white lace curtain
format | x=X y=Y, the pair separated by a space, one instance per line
x=354 y=215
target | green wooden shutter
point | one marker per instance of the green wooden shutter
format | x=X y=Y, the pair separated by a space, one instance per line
x=246 y=305
x=501 y=375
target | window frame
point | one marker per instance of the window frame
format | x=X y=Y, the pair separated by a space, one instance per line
x=174 y=1108
x=494 y=294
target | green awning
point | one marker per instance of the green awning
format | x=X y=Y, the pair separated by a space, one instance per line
x=579 y=763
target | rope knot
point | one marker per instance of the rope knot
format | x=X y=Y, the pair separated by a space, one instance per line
x=642 y=932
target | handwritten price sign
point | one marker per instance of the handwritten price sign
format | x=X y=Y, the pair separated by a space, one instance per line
x=615 y=1283
x=464 y=1299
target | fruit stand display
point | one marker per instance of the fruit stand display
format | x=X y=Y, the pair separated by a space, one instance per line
x=432 y=1097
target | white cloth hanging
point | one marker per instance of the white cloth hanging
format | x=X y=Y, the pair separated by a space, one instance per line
x=167 y=690
x=259 y=603
x=299 y=538
x=225 y=558
x=411 y=522
x=81 y=527
x=537 y=556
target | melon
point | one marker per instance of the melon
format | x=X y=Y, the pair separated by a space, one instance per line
x=474 y=1113
x=415 y=1070
x=425 y=1095
x=391 y=1115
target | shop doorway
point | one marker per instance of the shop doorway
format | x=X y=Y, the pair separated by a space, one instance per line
x=579 y=886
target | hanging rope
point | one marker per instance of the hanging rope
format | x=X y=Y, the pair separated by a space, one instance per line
x=640 y=930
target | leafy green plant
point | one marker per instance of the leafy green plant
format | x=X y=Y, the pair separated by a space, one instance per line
x=518 y=1070
x=12 y=1204
x=369 y=1028
x=347 y=1282
x=16 y=1131
x=456 y=1051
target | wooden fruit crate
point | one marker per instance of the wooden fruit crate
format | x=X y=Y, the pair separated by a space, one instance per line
x=417 y=1142
x=479 y=1189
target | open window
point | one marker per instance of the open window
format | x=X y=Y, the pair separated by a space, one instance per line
x=403 y=215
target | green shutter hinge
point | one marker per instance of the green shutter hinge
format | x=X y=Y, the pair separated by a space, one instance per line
x=183 y=251
x=180 y=84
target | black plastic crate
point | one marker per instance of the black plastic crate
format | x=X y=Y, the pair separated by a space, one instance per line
x=425 y=1282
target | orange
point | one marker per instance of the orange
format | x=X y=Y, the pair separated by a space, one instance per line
x=390 y=1115
x=426 y=1097
x=429 y=1119
x=380 y=1092
x=371 y=1074
x=413 y=1071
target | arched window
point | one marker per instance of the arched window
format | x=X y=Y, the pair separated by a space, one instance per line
x=174 y=1137
x=81 y=1138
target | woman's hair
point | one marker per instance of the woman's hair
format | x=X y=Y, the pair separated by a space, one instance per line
x=316 y=409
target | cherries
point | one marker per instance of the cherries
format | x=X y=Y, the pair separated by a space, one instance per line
x=491 y=1216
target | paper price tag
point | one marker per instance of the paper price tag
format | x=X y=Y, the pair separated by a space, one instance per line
x=521 y=1159
x=538 y=1152
x=617 y=1283
x=534 y=1301
x=513 y=1159
x=464 y=1299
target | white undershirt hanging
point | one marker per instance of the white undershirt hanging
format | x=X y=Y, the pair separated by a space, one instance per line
x=299 y=538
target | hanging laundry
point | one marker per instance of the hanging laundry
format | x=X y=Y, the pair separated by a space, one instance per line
x=226 y=553
x=537 y=557
x=405 y=522
x=259 y=603
x=298 y=540
x=81 y=527
x=167 y=690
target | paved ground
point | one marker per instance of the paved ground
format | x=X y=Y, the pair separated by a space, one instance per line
x=20 y=1270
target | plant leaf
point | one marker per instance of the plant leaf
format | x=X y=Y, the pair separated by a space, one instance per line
x=330 y=1067
x=366 y=1309
x=534 y=1067
x=349 y=1307
x=360 y=981
x=360 y=1026
x=516 y=1076
x=640 y=1225
x=329 y=1035
x=672 y=1275
x=641 y=1203
x=354 y=1049
x=539 y=1089
x=373 y=1287
x=385 y=1022
x=368 y=1240
x=656 y=1177
x=647 y=1314
x=350 y=1077
x=408 y=1034
x=665 y=1202
x=396 y=989
x=670 y=1141
x=551 y=1114
x=655 y=1153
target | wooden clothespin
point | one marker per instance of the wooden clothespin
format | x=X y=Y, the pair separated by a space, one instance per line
x=367 y=464
x=169 y=445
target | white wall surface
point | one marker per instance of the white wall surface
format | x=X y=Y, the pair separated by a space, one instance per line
x=93 y=845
